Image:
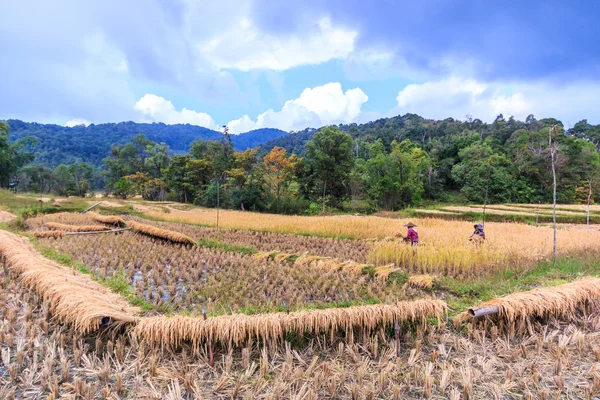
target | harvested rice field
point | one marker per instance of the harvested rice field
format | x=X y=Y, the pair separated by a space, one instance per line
x=107 y=306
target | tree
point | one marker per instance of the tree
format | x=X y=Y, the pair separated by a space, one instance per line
x=482 y=170
x=553 y=148
x=279 y=171
x=81 y=172
x=62 y=179
x=329 y=163
x=12 y=155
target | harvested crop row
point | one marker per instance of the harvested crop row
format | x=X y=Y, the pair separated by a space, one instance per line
x=74 y=298
x=234 y=330
x=56 y=226
x=49 y=234
x=558 y=301
x=160 y=233
x=342 y=249
x=106 y=219
x=349 y=266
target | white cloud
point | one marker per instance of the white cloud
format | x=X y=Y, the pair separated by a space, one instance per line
x=158 y=109
x=245 y=47
x=457 y=97
x=322 y=105
x=76 y=122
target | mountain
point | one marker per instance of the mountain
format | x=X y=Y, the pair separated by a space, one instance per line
x=256 y=138
x=409 y=126
x=58 y=144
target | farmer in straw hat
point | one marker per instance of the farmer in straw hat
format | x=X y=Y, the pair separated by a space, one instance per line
x=412 y=236
x=479 y=235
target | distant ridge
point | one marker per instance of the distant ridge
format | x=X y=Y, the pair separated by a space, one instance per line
x=59 y=144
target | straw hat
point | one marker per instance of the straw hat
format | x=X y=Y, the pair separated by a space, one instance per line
x=410 y=225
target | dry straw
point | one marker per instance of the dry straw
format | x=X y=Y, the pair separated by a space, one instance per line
x=74 y=298
x=558 y=301
x=235 y=330
x=49 y=234
x=106 y=219
x=421 y=281
x=160 y=233
x=57 y=226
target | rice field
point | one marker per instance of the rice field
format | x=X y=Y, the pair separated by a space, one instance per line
x=187 y=278
x=41 y=358
x=323 y=307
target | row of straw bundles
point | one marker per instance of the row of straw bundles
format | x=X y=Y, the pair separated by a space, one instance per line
x=49 y=234
x=160 y=233
x=106 y=219
x=558 y=301
x=74 y=298
x=57 y=226
x=236 y=329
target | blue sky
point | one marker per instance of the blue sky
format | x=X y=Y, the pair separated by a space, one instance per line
x=291 y=65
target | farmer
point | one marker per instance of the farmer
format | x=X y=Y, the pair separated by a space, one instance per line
x=479 y=234
x=411 y=236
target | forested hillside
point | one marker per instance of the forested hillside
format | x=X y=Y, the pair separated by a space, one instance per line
x=57 y=144
x=386 y=164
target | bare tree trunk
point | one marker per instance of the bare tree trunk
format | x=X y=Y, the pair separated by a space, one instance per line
x=552 y=154
x=218 y=204
x=324 y=186
x=588 y=204
x=487 y=186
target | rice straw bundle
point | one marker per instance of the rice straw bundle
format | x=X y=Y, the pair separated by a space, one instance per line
x=160 y=233
x=74 y=298
x=106 y=219
x=74 y=228
x=49 y=234
x=234 y=330
x=385 y=271
x=421 y=281
x=558 y=301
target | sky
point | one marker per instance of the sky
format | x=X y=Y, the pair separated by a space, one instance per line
x=290 y=65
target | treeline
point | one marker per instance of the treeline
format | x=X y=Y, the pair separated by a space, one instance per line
x=341 y=167
x=55 y=144
x=387 y=164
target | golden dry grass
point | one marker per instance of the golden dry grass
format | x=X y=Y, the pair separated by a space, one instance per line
x=421 y=281
x=444 y=248
x=514 y=210
x=160 y=233
x=49 y=234
x=74 y=228
x=74 y=298
x=344 y=226
x=106 y=219
x=235 y=330
x=558 y=301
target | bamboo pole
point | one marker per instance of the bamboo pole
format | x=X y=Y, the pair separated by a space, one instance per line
x=92 y=233
x=481 y=311
x=89 y=208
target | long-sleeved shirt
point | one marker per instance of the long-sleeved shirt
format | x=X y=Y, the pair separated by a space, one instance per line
x=412 y=235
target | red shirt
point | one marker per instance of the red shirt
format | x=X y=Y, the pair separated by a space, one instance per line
x=412 y=235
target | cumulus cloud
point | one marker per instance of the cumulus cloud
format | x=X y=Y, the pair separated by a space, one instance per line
x=246 y=47
x=315 y=107
x=158 y=109
x=77 y=122
x=457 y=97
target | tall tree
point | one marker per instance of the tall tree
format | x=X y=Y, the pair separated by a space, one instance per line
x=12 y=155
x=329 y=162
